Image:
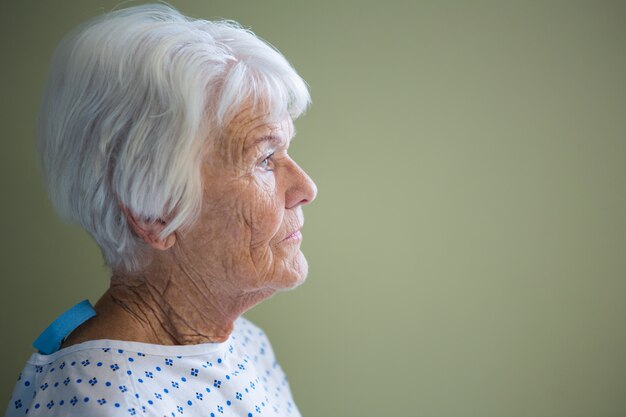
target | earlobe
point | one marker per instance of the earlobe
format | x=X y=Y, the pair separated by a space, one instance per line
x=169 y=241
x=149 y=230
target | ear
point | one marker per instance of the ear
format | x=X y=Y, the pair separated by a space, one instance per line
x=149 y=231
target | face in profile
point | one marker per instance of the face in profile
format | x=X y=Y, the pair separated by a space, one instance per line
x=248 y=231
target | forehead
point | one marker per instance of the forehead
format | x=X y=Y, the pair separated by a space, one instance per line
x=251 y=125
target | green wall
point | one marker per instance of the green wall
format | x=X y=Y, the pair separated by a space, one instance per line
x=467 y=249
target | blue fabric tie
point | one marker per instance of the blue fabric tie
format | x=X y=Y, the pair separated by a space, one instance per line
x=50 y=340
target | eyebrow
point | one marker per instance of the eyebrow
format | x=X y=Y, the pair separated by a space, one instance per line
x=275 y=140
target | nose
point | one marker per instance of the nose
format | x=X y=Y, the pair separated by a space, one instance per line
x=302 y=190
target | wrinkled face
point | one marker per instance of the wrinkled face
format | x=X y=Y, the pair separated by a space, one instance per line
x=248 y=234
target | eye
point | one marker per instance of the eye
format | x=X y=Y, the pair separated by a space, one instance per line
x=266 y=163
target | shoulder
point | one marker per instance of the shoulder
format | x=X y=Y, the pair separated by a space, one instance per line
x=112 y=378
x=74 y=382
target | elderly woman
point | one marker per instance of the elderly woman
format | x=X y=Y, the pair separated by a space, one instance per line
x=166 y=138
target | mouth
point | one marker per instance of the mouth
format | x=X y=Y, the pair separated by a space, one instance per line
x=295 y=236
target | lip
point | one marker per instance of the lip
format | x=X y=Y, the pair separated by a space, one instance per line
x=293 y=237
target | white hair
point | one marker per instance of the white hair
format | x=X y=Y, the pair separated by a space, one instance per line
x=130 y=99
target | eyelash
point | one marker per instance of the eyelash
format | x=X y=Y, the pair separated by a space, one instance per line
x=265 y=162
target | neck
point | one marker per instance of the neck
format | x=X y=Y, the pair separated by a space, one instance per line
x=168 y=305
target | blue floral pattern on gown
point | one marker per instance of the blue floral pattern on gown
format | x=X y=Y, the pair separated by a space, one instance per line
x=239 y=377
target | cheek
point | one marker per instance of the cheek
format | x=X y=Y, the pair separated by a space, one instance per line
x=263 y=210
x=242 y=222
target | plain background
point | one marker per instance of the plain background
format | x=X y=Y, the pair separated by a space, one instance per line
x=467 y=249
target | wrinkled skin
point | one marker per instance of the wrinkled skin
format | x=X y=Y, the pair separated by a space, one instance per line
x=200 y=280
x=251 y=203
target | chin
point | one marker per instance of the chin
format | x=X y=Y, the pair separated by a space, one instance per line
x=296 y=273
